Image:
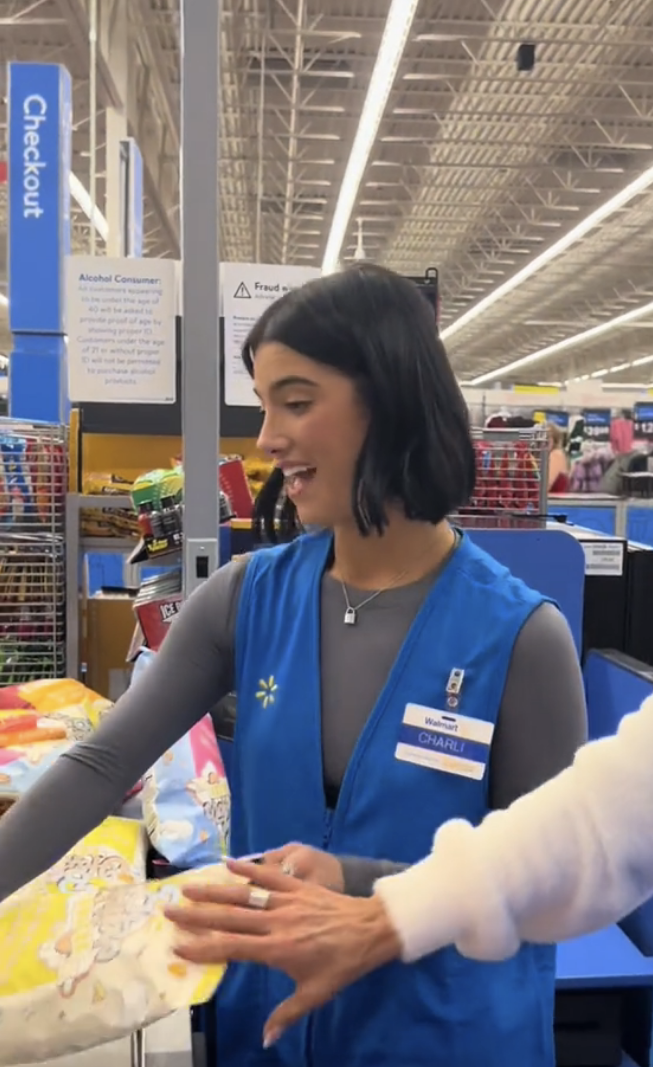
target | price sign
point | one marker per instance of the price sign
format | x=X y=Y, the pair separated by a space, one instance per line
x=558 y=418
x=596 y=425
x=643 y=421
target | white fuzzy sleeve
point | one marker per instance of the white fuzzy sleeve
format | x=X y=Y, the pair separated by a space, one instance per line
x=572 y=856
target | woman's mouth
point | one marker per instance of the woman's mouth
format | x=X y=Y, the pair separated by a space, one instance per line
x=297 y=478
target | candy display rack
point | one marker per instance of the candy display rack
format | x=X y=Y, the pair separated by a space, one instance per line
x=77 y=547
x=33 y=476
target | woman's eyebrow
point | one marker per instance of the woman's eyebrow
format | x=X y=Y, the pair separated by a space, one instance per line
x=289 y=380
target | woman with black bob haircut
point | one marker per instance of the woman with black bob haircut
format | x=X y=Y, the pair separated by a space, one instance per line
x=377 y=329
x=374 y=658
x=389 y=676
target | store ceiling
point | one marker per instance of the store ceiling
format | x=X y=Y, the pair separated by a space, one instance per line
x=477 y=169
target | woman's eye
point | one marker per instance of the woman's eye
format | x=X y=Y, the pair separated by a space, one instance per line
x=298 y=406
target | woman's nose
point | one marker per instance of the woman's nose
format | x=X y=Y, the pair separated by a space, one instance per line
x=270 y=439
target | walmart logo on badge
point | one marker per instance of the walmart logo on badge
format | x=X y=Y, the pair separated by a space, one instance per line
x=455 y=744
x=448 y=723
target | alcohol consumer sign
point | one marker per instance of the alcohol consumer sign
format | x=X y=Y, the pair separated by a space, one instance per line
x=121 y=330
x=596 y=425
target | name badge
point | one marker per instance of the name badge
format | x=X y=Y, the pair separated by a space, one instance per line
x=445 y=742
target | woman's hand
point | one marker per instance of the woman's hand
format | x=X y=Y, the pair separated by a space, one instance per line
x=309 y=865
x=321 y=939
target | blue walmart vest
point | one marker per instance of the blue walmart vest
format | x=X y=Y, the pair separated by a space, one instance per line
x=445 y=1011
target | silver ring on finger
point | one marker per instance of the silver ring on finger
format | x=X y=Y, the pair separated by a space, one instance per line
x=258 y=898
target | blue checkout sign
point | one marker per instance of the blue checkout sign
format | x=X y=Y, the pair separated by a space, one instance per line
x=643 y=420
x=40 y=130
x=596 y=424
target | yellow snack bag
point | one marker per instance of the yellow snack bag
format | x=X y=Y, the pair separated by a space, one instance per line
x=86 y=953
x=67 y=700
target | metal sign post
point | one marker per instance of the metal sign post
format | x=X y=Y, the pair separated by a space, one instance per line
x=200 y=55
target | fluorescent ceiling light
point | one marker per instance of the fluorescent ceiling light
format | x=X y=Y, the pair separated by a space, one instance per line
x=614 y=204
x=425 y=76
x=397 y=29
x=80 y=196
x=569 y=342
x=440 y=37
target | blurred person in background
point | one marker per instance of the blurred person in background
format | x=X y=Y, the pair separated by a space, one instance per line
x=558 y=461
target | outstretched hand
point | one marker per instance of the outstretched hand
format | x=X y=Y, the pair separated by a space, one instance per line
x=320 y=938
x=308 y=864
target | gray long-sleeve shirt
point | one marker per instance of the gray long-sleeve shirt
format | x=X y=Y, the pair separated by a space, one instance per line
x=541 y=723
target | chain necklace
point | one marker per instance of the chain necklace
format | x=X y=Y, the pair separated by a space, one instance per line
x=351 y=612
x=350 y=617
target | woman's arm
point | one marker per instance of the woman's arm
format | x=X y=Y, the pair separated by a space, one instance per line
x=193 y=670
x=569 y=858
x=557 y=465
x=541 y=723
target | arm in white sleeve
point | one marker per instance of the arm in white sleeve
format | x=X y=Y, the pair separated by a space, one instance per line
x=570 y=857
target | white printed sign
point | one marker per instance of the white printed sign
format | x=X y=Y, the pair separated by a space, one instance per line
x=246 y=290
x=120 y=317
x=604 y=557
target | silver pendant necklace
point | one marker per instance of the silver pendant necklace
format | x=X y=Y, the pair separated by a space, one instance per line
x=351 y=612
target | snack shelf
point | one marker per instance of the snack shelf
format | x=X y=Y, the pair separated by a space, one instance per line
x=118 y=546
x=77 y=547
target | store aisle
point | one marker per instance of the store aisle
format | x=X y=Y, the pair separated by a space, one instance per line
x=167 y=1044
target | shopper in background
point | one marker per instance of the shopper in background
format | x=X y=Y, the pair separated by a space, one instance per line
x=622 y=433
x=574 y=855
x=558 y=462
x=347 y=648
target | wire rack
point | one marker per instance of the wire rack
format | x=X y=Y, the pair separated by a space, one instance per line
x=511 y=479
x=33 y=480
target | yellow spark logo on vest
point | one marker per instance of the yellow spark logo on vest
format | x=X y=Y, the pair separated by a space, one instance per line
x=266 y=691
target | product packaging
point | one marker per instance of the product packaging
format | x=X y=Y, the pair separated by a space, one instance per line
x=233 y=482
x=61 y=712
x=87 y=954
x=185 y=797
x=157 y=497
x=38 y=722
x=108 y=522
x=157 y=605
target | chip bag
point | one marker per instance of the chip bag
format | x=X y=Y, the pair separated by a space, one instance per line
x=186 y=799
x=86 y=952
x=73 y=710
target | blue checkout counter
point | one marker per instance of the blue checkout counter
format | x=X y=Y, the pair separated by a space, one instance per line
x=632 y=519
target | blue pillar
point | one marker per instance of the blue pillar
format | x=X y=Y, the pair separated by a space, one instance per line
x=40 y=133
